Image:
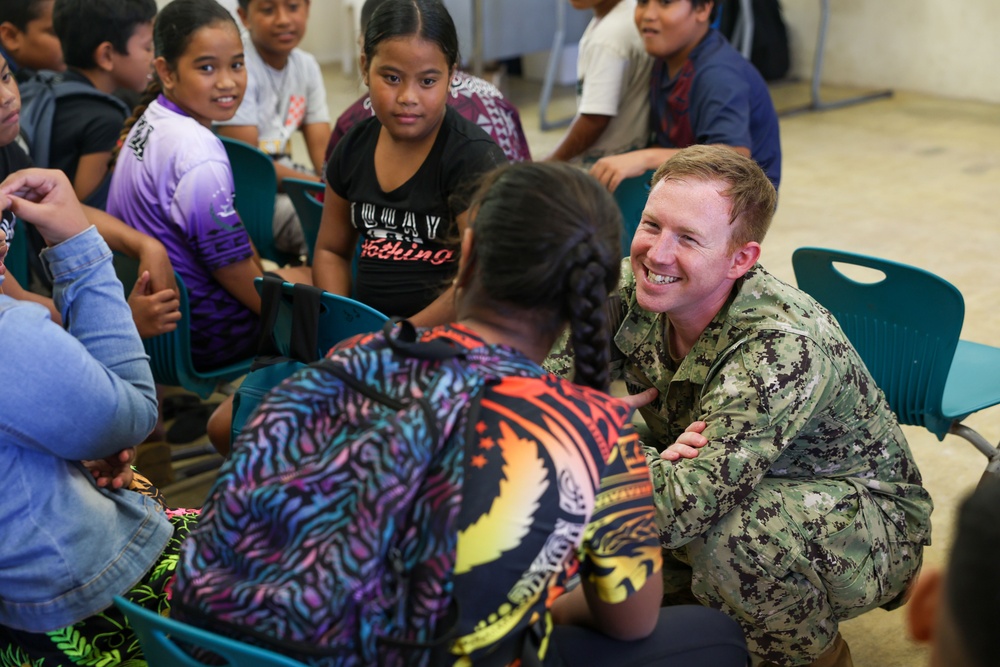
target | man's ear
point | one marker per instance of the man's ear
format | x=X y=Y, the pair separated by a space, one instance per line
x=922 y=608
x=743 y=259
x=363 y=63
x=244 y=17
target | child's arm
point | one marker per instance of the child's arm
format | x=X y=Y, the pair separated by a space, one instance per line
x=14 y=290
x=442 y=309
x=335 y=244
x=613 y=169
x=90 y=172
x=237 y=279
x=585 y=130
x=317 y=136
x=150 y=252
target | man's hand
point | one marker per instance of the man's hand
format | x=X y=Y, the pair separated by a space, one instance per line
x=687 y=445
x=114 y=471
x=154 y=313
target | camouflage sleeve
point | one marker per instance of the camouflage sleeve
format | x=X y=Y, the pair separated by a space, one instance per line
x=621 y=546
x=560 y=360
x=764 y=396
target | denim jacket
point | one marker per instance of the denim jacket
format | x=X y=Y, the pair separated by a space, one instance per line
x=84 y=392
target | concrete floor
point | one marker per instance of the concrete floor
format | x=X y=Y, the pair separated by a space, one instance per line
x=909 y=178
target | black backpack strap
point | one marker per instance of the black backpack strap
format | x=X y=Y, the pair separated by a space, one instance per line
x=270 y=298
x=306 y=306
x=403 y=339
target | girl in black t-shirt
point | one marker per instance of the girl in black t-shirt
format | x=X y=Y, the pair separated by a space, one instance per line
x=398 y=180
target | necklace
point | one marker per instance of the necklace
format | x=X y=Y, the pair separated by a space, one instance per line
x=277 y=84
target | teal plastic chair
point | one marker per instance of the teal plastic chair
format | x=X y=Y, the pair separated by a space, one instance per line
x=256 y=186
x=906 y=325
x=163 y=642
x=339 y=317
x=309 y=209
x=631 y=195
x=170 y=353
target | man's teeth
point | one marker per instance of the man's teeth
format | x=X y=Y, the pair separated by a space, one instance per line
x=661 y=280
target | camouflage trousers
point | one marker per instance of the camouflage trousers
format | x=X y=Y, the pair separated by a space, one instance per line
x=792 y=561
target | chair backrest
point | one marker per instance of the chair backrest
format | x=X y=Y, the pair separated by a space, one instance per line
x=340 y=317
x=256 y=186
x=170 y=353
x=295 y=321
x=309 y=209
x=905 y=326
x=164 y=641
x=631 y=195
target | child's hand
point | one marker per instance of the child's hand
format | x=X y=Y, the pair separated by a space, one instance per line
x=154 y=313
x=45 y=198
x=614 y=169
x=114 y=471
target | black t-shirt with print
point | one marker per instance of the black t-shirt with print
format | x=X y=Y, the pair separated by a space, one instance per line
x=409 y=237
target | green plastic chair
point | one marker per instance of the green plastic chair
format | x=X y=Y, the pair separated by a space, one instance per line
x=307 y=207
x=906 y=326
x=256 y=186
x=631 y=195
x=338 y=317
x=163 y=642
x=170 y=353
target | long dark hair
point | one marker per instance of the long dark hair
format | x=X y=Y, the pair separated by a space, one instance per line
x=175 y=25
x=548 y=240
x=427 y=19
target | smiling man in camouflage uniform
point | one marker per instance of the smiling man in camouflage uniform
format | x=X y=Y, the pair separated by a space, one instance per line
x=786 y=493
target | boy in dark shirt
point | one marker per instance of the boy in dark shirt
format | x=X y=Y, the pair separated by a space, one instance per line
x=702 y=92
x=107 y=44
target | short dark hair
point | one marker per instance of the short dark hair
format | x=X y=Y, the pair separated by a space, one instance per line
x=427 y=19
x=972 y=582
x=83 y=25
x=20 y=12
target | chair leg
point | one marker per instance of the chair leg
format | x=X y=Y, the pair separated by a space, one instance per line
x=981 y=443
x=992 y=453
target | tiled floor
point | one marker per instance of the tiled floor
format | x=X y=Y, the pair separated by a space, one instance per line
x=910 y=178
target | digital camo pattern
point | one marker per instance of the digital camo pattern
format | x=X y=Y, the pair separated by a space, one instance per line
x=806 y=506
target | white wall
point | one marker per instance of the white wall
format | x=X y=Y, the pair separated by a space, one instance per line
x=945 y=48
x=940 y=47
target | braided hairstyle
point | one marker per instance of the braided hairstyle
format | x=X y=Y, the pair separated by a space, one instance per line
x=548 y=240
x=172 y=31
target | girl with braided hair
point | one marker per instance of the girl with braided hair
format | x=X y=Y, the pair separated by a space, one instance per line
x=554 y=486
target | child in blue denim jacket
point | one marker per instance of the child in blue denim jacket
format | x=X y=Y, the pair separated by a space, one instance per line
x=76 y=531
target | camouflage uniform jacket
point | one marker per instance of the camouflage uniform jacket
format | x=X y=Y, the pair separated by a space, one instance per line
x=785 y=396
